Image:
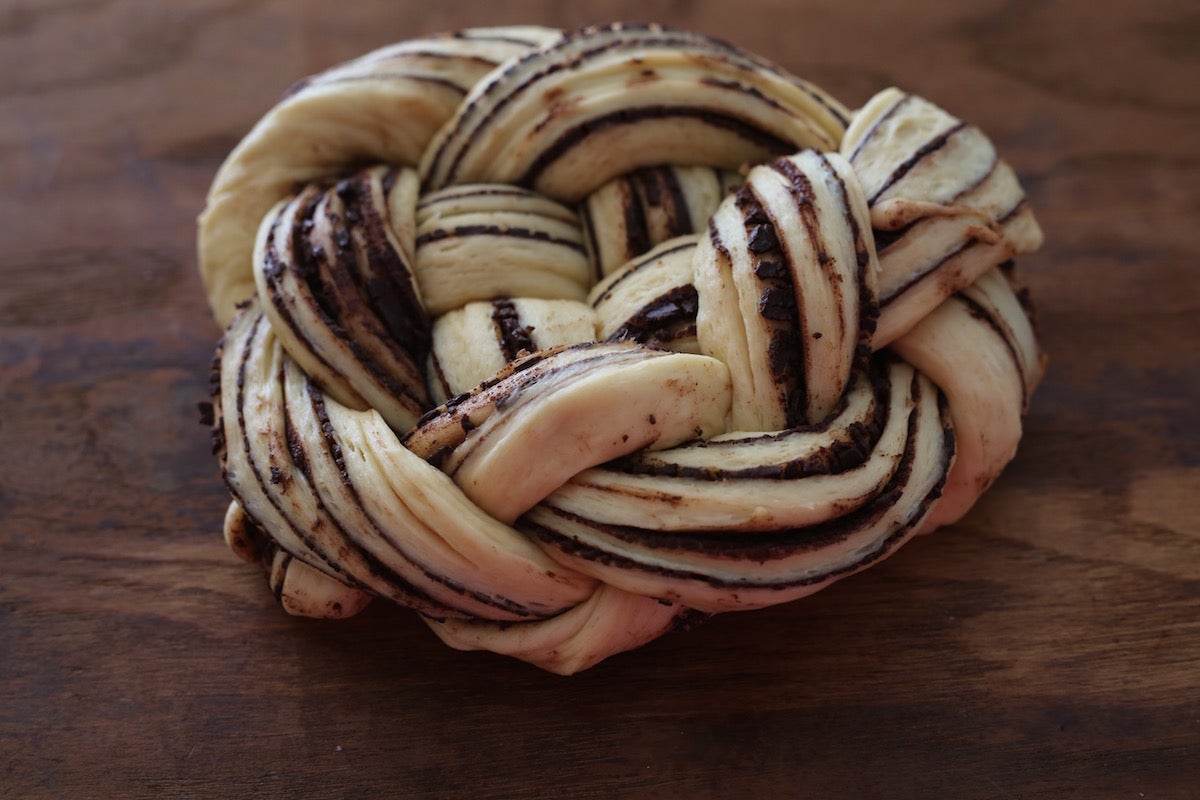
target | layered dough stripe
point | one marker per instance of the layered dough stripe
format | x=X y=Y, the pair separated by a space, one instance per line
x=786 y=281
x=945 y=207
x=651 y=299
x=634 y=212
x=552 y=398
x=735 y=569
x=383 y=108
x=980 y=348
x=840 y=442
x=561 y=119
x=473 y=343
x=340 y=293
x=753 y=482
x=459 y=60
x=483 y=241
x=569 y=340
x=322 y=479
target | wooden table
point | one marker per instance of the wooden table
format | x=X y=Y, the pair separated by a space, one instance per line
x=1047 y=646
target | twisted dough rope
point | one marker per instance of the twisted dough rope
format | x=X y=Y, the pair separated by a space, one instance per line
x=516 y=340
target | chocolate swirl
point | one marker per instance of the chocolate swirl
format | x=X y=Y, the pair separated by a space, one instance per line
x=568 y=340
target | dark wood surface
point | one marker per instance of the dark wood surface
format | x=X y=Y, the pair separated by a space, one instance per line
x=1047 y=646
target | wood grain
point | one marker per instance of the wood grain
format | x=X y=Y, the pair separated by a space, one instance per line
x=1047 y=646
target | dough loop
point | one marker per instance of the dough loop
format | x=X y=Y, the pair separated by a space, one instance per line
x=568 y=340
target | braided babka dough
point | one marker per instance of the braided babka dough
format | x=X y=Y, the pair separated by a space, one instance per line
x=565 y=340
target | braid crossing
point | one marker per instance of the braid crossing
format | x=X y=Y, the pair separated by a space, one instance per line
x=566 y=340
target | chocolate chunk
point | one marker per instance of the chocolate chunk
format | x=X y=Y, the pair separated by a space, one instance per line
x=762 y=239
x=770 y=269
x=777 y=303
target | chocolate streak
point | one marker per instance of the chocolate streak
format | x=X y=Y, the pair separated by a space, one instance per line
x=661 y=319
x=425 y=602
x=513 y=337
x=747 y=547
x=335 y=288
x=509 y=84
x=495 y=230
x=985 y=316
x=629 y=116
x=930 y=147
x=328 y=562
x=848 y=450
x=777 y=303
x=638 y=265
x=385 y=279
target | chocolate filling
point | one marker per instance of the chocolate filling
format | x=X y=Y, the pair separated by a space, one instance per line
x=851 y=448
x=777 y=303
x=572 y=53
x=328 y=560
x=637 y=266
x=931 y=146
x=738 y=546
x=866 y=137
x=659 y=187
x=379 y=270
x=741 y=128
x=495 y=230
x=661 y=319
x=513 y=337
x=637 y=237
x=334 y=280
x=985 y=316
x=422 y=598
x=328 y=289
